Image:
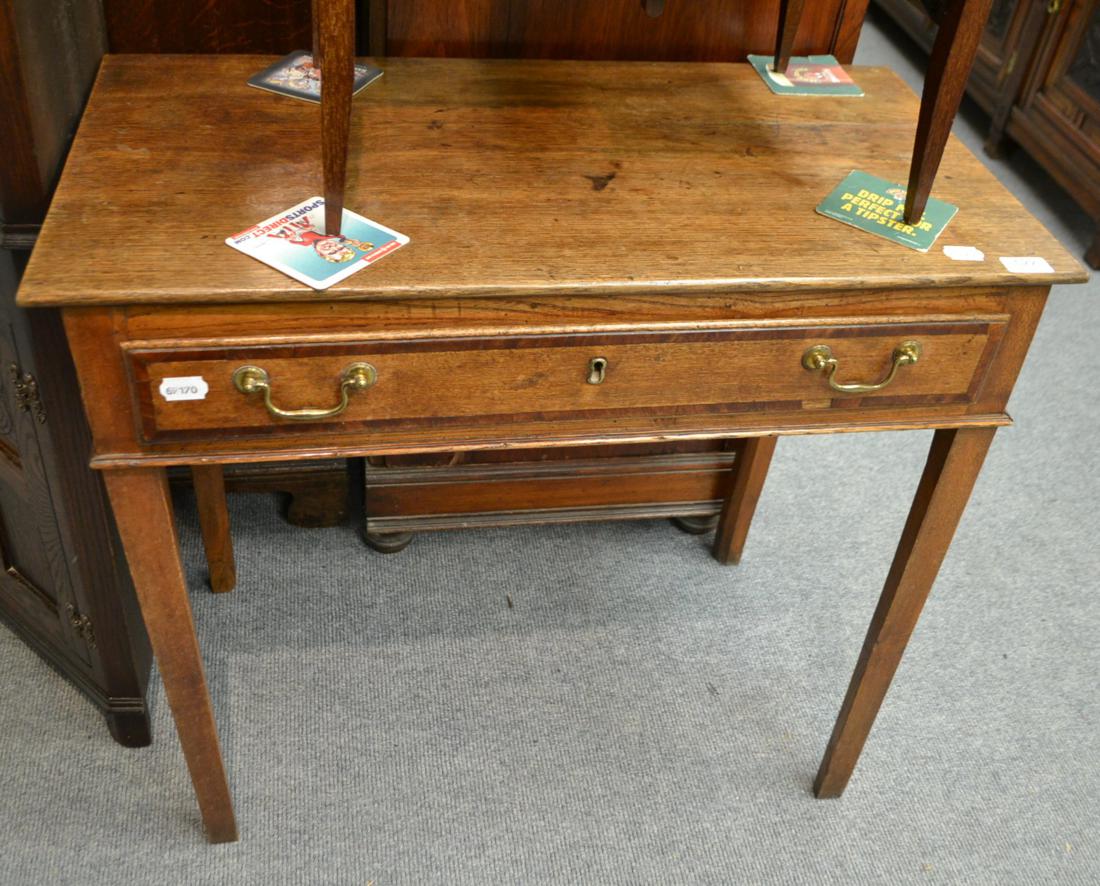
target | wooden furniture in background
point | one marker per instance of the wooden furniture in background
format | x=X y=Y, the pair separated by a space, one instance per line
x=64 y=587
x=685 y=30
x=273 y=27
x=1038 y=77
x=414 y=493
x=490 y=348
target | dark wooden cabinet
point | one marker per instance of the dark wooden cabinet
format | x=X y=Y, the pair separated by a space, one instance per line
x=35 y=589
x=268 y=26
x=1057 y=117
x=1038 y=76
x=686 y=30
x=63 y=587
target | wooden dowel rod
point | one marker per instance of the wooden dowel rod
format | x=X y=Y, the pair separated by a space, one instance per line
x=336 y=40
x=790 y=14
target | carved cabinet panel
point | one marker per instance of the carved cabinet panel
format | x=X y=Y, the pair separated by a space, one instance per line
x=63 y=589
x=34 y=586
x=1057 y=118
x=1069 y=91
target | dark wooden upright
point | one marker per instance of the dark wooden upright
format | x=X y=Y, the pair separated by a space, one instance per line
x=336 y=48
x=790 y=15
x=948 y=69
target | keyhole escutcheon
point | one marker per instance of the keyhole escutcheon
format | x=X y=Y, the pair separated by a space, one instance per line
x=597 y=370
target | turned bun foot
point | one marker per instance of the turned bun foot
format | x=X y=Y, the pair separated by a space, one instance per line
x=388 y=542
x=695 y=525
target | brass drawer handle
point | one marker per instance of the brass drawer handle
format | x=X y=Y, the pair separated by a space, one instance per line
x=820 y=358
x=357 y=377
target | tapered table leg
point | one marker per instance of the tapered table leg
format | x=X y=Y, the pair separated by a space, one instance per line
x=953 y=464
x=750 y=470
x=143 y=512
x=790 y=14
x=949 y=67
x=209 y=483
x=334 y=32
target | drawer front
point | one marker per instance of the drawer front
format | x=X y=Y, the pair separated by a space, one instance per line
x=493 y=380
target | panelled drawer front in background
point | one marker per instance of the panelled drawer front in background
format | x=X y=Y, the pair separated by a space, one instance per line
x=476 y=380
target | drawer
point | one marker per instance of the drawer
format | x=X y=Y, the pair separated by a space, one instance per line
x=187 y=390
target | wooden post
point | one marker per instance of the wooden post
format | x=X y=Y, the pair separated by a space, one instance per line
x=953 y=464
x=790 y=14
x=750 y=469
x=335 y=29
x=949 y=67
x=209 y=483
x=146 y=525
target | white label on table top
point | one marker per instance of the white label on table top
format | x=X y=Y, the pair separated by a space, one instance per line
x=187 y=387
x=964 y=253
x=1027 y=264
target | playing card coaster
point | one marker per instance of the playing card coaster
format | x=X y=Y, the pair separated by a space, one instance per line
x=806 y=75
x=293 y=242
x=877 y=206
x=297 y=76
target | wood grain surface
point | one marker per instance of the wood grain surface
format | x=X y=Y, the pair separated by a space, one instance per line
x=164 y=26
x=511 y=178
x=123 y=353
x=684 y=30
x=478 y=380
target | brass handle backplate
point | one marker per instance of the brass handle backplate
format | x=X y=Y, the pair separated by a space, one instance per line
x=253 y=379
x=820 y=358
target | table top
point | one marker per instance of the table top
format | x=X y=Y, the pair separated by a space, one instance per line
x=511 y=178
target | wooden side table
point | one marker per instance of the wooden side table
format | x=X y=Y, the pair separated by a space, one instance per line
x=700 y=276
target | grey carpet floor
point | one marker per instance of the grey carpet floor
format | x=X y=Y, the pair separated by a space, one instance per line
x=642 y=715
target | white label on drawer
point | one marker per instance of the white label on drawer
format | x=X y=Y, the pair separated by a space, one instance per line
x=189 y=387
x=964 y=253
x=1027 y=264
